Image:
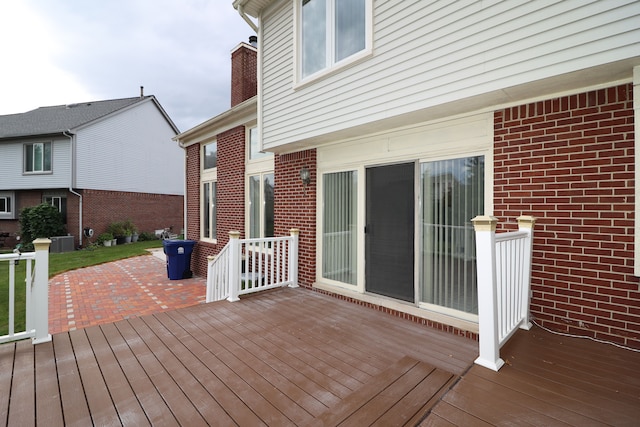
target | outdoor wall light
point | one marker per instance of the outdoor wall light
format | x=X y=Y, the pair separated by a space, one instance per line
x=305 y=176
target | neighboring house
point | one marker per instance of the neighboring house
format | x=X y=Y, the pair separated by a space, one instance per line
x=515 y=108
x=97 y=162
x=229 y=182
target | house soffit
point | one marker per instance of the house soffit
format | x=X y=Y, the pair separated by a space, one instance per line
x=252 y=7
x=241 y=114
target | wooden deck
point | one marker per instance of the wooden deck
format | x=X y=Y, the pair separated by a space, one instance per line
x=296 y=357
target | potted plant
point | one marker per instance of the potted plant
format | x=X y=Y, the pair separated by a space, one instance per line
x=130 y=231
x=105 y=239
x=118 y=230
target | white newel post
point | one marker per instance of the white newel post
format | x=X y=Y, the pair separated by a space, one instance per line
x=234 y=266
x=526 y=224
x=41 y=292
x=485 y=228
x=293 y=258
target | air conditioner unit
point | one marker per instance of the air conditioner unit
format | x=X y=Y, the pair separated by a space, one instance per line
x=61 y=244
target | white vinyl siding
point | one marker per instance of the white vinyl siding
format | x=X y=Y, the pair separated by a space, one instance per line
x=427 y=54
x=13 y=176
x=130 y=151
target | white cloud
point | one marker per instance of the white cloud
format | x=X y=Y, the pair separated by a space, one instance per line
x=77 y=50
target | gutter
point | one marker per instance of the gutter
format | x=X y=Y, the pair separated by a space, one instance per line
x=239 y=6
x=72 y=164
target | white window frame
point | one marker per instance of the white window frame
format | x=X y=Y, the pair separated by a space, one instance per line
x=9 y=213
x=204 y=149
x=332 y=66
x=261 y=165
x=208 y=176
x=29 y=147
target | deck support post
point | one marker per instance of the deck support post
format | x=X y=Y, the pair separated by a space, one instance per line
x=489 y=357
x=234 y=266
x=293 y=258
x=41 y=292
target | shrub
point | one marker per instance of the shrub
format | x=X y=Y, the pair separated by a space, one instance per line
x=147 y=236
x=43 y=220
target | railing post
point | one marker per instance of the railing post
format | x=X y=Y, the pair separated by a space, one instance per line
x=41 y=292
x=293 y=258
x=234 y=266
x=209 y=291
x=526 y=224
x=485 y=228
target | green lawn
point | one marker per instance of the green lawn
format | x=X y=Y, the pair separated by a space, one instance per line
x=59 y=263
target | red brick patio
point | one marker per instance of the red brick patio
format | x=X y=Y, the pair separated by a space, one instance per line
x=117 y=290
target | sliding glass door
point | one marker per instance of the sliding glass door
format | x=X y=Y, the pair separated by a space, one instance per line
x=452 y=193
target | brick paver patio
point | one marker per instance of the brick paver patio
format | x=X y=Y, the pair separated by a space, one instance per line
x=117 y=290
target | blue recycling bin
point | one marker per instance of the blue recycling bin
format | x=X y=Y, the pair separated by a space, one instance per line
x=178 y=254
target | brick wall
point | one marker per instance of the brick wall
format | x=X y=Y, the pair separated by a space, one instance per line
x=296 y=208
x=570 y=162
x=230 y=199
x=149 y=212
x=244 y=79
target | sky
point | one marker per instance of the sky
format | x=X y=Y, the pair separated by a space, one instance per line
x=58 y=52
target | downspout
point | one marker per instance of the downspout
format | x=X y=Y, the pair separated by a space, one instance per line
x=184 y=198
x=239 y=5
x=72 y=165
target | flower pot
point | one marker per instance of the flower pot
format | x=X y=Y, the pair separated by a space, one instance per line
x=107 y=243
x=134 y=237
x=127 y=239
x=114 y=242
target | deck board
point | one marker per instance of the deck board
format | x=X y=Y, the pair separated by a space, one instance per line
x=297 y=357
x=46 y=390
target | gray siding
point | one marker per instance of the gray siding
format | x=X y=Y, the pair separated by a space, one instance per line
x=428 y=54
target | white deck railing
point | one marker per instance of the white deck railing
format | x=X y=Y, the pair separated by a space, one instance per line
x=36 y=294
x=245 y=266
x=504 y=277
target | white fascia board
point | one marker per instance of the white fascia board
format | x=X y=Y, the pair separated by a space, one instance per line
x=240 y=114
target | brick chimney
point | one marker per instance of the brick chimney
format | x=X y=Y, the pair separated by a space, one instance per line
x=244 y=79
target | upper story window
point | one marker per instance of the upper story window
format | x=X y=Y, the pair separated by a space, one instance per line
x=210 y=155
x=332 y=32
x=7 y=205
x=37 y=157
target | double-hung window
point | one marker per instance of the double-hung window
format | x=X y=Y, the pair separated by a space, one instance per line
x=260 y=188
x=7 y=205
x=332 y=32
x=37 y=157
x=209 y=178
x=59 y=202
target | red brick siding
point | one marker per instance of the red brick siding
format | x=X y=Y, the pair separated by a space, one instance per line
x=230 y=195
x=244 y=80
x=149 y=212
x=296 y=208
x=570 y=162
x=23 y=199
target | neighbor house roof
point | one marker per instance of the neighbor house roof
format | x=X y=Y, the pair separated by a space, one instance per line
x=61 y=118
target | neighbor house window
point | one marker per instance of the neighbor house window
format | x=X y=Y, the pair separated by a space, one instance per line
x=330 y=32
x=452 y=193
x=7 y=205
x=209 y=217
x=60 y=203
x=37 y=157
x=339 y=226
x=210 y=154
x=261 y=214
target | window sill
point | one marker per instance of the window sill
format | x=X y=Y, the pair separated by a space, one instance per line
x=330 y=71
